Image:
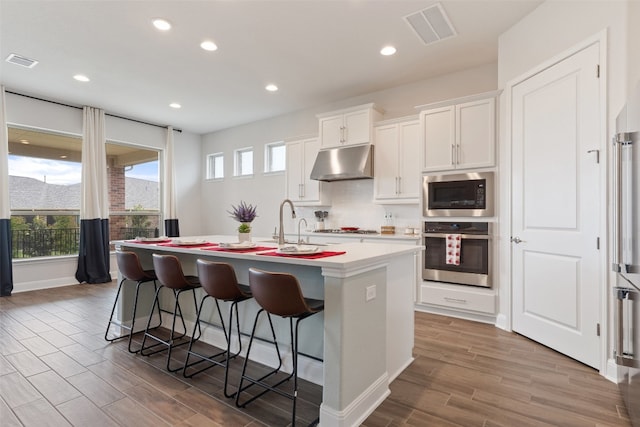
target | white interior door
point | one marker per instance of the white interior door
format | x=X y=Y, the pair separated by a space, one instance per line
x=556 y=200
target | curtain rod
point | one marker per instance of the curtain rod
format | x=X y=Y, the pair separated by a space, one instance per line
x=80 y=108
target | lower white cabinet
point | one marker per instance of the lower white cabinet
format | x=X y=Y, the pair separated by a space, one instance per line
x=397 y=162
x=458 y=297
x=300 y=189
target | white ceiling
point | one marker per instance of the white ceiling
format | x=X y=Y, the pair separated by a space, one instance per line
x=316 y=51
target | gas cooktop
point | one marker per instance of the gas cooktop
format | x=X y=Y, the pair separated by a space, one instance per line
x=346 y=230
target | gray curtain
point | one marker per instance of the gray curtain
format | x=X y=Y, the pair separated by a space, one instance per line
x=93 y=256
x=6 y=267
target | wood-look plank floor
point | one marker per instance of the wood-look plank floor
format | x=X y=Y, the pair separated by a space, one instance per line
x=57 y=370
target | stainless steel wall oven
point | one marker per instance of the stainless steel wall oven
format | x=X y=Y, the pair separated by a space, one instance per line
x=471 y=263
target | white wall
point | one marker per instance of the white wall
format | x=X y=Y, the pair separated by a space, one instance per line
x=351 y=200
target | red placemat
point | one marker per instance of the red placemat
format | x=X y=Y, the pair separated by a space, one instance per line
x=199 y=245
x=240 y=251
x=146 y=242
x=306 y=256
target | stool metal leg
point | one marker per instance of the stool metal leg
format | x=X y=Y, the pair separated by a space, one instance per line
x=131 y=328
x=133 y=315
x=259 y=381
x=214 y=359
x=170 y=344
x=267 y=387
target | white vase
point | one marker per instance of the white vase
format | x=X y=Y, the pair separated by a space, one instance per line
x=244 y=237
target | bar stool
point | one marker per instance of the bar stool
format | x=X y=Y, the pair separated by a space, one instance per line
x=278 y=294
x=218 y=279
x=170 y=275
x=131 y=270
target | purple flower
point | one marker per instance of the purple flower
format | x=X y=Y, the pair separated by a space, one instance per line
x=243 y=212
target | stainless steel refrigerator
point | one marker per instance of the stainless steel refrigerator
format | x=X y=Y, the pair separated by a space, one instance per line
x=626 y=253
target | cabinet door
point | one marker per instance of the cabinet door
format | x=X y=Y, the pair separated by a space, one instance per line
x=409 y=161
x=331 y=131
x=438 y=127
x=293 y=174
x=386 y=162
x=475 y=134
x=357 y=127
x=310 y=188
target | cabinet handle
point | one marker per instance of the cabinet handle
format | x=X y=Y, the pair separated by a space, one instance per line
x=300 y=190
x=453 y=154
x=342 y=134
x=457 y=300
x=458 y=154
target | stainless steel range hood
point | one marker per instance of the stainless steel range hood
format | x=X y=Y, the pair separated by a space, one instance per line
x=344 y=163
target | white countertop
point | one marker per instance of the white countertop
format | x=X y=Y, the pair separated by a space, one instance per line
x=357 y=253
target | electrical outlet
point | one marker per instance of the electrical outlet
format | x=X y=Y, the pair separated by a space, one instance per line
x=371 y=293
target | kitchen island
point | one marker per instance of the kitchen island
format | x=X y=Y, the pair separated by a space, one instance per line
x=364 y=337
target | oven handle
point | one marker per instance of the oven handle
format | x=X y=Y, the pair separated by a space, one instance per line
x=463 y=236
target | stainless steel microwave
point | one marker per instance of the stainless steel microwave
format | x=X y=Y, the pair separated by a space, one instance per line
x=466 y=194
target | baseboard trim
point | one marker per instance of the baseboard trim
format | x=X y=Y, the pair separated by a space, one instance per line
x=360 y=408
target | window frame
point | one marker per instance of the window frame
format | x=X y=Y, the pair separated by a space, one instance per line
x=210 y=168
x=237 y=162
x=268 y=157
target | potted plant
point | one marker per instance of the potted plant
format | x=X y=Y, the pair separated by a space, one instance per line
x=244 y=214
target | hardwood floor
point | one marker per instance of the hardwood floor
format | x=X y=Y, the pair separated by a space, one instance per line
x=57 y=370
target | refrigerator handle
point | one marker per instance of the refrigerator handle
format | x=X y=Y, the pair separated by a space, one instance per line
x=619 y=353
x=617 y=202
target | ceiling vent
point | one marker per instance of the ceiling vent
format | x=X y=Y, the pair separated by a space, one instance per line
x=431 y=24
x=21 y=60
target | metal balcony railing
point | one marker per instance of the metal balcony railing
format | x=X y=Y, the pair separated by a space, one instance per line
x=44 y=242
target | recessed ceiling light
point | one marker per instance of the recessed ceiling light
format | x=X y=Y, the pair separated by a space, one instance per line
x=387 y=50
x=63 y=157
x=161 y=24
x=24 y=141
x=175 y=105
x=81 y=78
x=271 y=87
x=209 y=45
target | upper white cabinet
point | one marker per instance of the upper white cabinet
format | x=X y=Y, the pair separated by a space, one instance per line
x=460 y=136
x=350 y=126
x=397 y=163
x=300 y=158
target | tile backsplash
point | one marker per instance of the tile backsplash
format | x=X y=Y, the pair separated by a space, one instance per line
x=352 y=206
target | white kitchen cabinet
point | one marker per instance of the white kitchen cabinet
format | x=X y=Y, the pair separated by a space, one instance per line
x=396 y=162
x=300 y=189
x=460 y=136
x=350 y=126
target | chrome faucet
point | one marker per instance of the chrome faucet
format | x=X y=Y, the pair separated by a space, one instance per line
x=305 y=224
x=293 y=215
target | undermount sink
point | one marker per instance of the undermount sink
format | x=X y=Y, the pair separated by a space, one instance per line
x=290 y=242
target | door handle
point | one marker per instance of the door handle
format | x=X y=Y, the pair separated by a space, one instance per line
x=516 y=240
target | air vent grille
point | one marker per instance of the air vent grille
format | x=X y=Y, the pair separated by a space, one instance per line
x=21 y=60
x=431 y=24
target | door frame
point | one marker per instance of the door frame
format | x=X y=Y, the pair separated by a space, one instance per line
x=504 y=318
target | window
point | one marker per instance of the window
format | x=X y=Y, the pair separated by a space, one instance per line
x=243 y=162
x=134 y=191
x=275 y=157
x=215 y=166
x=44 y=193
